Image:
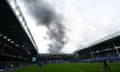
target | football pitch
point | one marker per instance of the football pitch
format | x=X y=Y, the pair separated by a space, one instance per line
x=71 y=67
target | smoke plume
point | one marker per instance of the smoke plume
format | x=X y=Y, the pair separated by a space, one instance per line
x=45 y=14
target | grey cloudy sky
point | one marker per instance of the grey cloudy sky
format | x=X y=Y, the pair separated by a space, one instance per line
x=85 y=20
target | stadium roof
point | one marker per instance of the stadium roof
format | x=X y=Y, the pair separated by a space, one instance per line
x=112 y=36
x=12 y=34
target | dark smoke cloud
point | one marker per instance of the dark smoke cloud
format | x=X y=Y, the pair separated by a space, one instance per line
x=57 y=34
x=42 y=11
x=44 y=14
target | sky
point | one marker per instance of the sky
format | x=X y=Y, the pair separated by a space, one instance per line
x=81 y=21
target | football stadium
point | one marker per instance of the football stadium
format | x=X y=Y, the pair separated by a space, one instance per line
x=55 y=36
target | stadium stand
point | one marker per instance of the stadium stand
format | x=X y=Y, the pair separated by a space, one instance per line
x=108 y=49
x=56 y=59
x=16 y=49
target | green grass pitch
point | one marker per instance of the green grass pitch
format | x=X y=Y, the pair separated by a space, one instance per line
x=71 y=67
